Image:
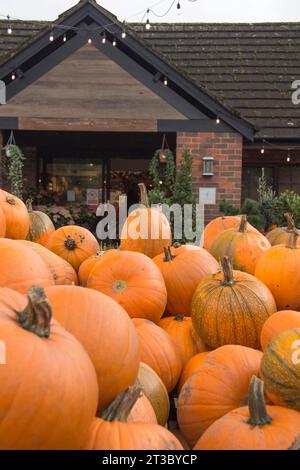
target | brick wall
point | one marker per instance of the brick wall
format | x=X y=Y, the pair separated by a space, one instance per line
x=226 y=148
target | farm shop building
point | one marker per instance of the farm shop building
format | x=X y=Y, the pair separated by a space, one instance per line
x=90 y=99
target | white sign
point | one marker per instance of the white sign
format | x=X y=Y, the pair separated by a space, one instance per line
x=207 y=195
x=71 y=196
x=92 y=197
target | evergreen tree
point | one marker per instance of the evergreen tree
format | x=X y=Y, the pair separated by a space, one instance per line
x=163 y=177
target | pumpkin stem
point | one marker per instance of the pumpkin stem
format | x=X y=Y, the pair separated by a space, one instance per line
x=296 y=444
x=11 y=201
x=227 y=271
x=29 y=205
x=70 y=243
x=290 y=221
x=176 y=245
x=143 y=194
x=293 y=239
x=179 y=317
x=121 y=407
x=36 y=316
x=168 y=254
x=258 y=415
x=243 y=224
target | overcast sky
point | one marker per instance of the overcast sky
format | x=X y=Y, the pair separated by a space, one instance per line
x=192 y=11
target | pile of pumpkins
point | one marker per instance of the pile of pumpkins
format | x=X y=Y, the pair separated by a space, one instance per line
x=98 y=344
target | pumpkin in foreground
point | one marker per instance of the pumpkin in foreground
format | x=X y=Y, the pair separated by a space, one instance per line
x=41 y=226
x=190 y=368
x=281 y=235
x=253 y=427
x=2 y=224
x=217 y=226
x=277 y=323
x=231 y=308
x=46 y=380
x=87 y=266
x=16 y=216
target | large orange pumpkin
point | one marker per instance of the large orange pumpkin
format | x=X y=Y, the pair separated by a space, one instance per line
x=253 y=427
x=182 y=273
x=142 y=411
x=277 y=323
x=280 y=235
x=159 y=351
x=218 y=386
x=217 y=226
x=231 y=308
x=242 y=245
x=105 y=331
x=113 y=432
x=278 y=269
x=62 y=272
x=190 y=367
x=146 y=230
x=41 y=226
x=177 y=248
x=280 y=369
x=2 y=223
x=16 y=216
x=46 y=380
x=134 y=281
x=74 y=244
x=181 y=330
x=87 y=266
x=21 y=268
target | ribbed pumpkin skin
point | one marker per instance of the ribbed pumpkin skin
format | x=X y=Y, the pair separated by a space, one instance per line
x=142 y=412
x=217 y=226
x=231 y=314
x=2 y=223
x=232 y=432
x=21 y=268
x=156 y=392
x=279 y=236
x=280 y=369
x=190 y=367
x=105 y=331
x=244 y=249
x=182 y=275
x=16 y=216
x=278 y=269
x=130 y=436
x=87 y=266
x=182 y=332
x=62 y=272
x=41 y=227
x=159 y=351
x=277 y=323
x=44 y=385
x=218 y=386
x=134 y=281
x=74 y=244
x=155 y=232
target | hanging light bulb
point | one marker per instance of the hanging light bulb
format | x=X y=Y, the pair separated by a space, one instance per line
x=51 y=37
x=123 y=34
x=103 y=38
x=262 y=151
x=9 y=28
x=165 y=81
x=178 y=5
x=89 y=41
x=65 y=38
x=218 y=120
x=13 y=76
x=114 y=43
x=148 y=24
x=288 y=159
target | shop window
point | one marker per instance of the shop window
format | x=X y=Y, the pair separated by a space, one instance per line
x=250 y=180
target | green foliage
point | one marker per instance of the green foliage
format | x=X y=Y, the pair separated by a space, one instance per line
x=163 y=177
x=288 y=201
x=15 y=159
x=267 y=202
x=254 y=215
x=228 y=209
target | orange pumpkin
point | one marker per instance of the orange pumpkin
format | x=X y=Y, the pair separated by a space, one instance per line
x=41 y=226
x=278 y=269
x=242 y=245
x=280 y=235
x=182 y=273
x=253 y=427
x=134 y=281
x=47 y=378
x=231 y=308
x=217 y=226
x=190 y=367
x=2 y=223
x=218 y=386
x=62 y=272
x=146 y=230
x=280 y=369
x=113 y=432
x=87 y=266
x=142 y=411
x=16 y=216
x=177 y=248
x=159 y=351
x=105 y=331
x=277 y=323
x=21 y=268
x=74 y=244
x=181 y=330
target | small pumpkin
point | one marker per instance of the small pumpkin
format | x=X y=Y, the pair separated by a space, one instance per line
x=159 y=351
x=41 y=226
x=74 y=244
x=242 y=245
x=2 y=223
x=113 y=432
x=105 y=331
x=62 y=272
x=253 y=427
x=190 y=367
x=21 y=268
x=181 y=330
x=16 y=216
x=142 y=411
x=132 y=280
x=46 y=380
x=156 y=392
x=278 y=269
x=277 y=323
x=146 y=230
x=231 y=308
x=217 y=226
x=202 y=399
x=280 y=369
x=280 y=235
x=182 y=273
